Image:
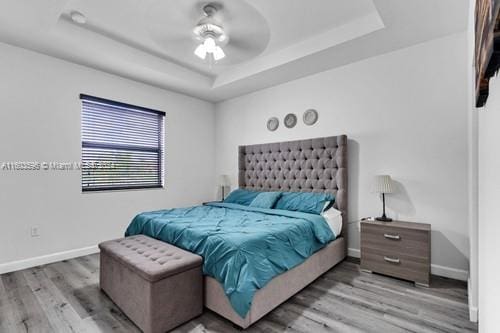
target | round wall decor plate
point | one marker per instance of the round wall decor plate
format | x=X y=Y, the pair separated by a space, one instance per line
x=290 y=120
x=310 y=117
x=273 y=124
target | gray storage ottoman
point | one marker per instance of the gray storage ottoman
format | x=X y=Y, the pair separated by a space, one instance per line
x=157 y=285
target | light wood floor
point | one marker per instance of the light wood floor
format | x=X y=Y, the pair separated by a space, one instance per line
x=65 y=297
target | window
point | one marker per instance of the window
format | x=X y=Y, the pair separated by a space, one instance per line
x=122 y=146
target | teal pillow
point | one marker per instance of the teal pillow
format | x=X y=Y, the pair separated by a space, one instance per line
x=265 y=199
x=241 y=197
x=306 y=202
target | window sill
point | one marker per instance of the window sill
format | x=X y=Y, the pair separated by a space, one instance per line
x=134 y=189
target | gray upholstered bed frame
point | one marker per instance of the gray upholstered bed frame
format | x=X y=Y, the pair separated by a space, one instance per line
x=313 y=165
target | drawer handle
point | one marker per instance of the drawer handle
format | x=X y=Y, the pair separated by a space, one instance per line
x=392 y=236
x=392 y=260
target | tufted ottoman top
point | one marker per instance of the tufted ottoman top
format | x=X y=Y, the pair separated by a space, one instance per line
x=152 y=259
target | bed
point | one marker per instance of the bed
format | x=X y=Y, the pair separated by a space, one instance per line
x=253 y=240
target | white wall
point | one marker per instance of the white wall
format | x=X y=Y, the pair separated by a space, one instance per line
x=489 y=211
x=405 y=114
x=40 y=121
x=473 y=165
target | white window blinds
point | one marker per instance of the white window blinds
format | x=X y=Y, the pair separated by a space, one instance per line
x=122 y=145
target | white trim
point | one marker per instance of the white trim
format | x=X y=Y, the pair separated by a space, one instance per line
x=449 y=272
x=473 y=169
x=46 y=259
x=355 y=253
x=473 y=310
x=473 y=314
x=452 y=273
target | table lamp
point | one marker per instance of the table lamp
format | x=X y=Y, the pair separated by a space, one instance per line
x=223 y=182
x=383 y=184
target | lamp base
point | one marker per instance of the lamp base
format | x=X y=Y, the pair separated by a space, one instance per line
x=383 y=219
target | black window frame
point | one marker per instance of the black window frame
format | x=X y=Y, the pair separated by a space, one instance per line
x=160 y=149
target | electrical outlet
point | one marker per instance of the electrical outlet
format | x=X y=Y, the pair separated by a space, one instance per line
x=35 y=232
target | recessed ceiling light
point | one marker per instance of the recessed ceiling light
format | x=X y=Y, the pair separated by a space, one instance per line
x=78 y=17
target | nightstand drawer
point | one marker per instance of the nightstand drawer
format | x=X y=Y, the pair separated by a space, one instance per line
x=395 y=264
x=393 y=239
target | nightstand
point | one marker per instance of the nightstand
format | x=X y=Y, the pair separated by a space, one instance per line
x=399 y=249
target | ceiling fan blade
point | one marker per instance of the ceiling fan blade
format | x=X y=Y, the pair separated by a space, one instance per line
x=244 y=44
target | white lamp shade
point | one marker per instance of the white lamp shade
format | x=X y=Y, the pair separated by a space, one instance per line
x=224 y=180
x=209 y=45
x=383 y=184
x=219 y=53
x=200 y=51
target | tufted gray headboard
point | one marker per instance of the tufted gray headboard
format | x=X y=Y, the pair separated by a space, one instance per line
x=312 y=165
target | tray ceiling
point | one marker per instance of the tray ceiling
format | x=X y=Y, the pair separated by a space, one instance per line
x=274 y=41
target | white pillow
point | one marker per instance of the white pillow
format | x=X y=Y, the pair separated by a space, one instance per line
x=334 y=219
x=326 y=205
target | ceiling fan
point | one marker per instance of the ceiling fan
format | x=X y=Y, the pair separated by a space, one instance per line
x=225 y=32
x=211 y=35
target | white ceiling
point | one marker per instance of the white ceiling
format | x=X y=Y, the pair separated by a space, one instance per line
x=272 y=41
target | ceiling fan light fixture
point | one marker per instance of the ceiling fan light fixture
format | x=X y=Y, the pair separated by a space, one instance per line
x=210 y=28
x=201 y=52
x=210 y=34
x=210 y=45
x=219 y=53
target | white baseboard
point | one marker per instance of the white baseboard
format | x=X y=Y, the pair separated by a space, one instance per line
x=473 y=310
x=355 y=253
x=47 y=259
x=452 y=273
x=473 y=314
x=448 y=272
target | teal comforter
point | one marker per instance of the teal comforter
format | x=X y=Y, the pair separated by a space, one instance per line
x=243 y=247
